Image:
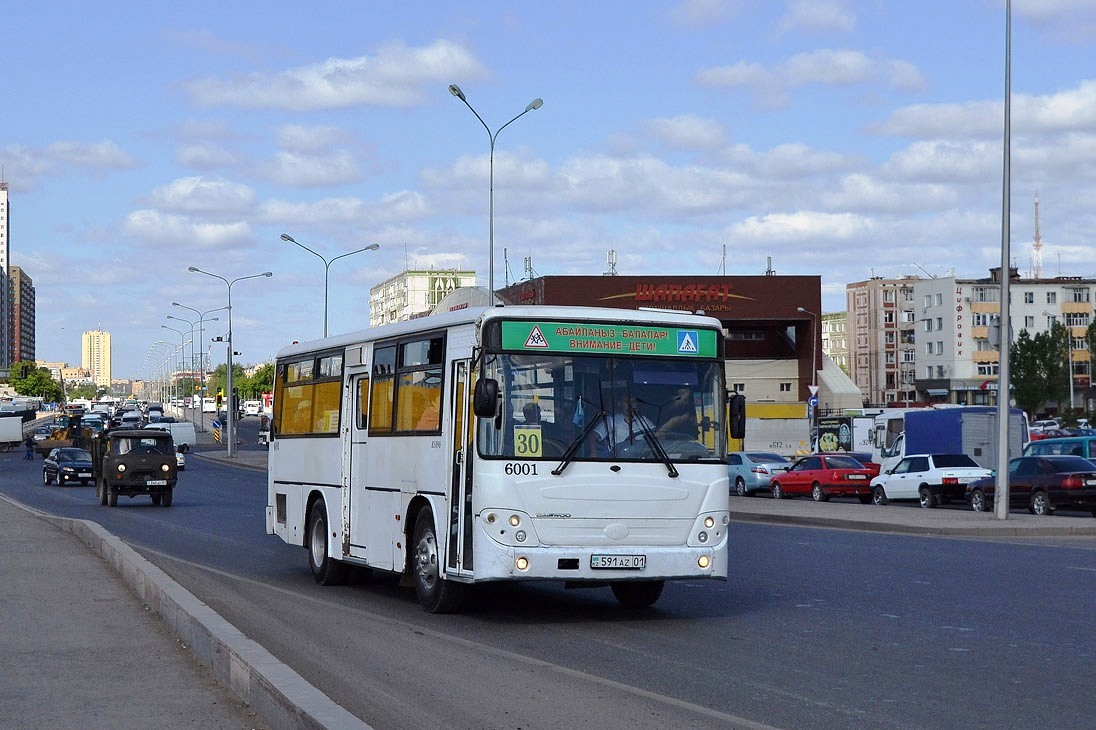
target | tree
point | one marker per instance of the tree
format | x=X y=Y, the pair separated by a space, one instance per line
x=38 y=383
x=1027 y=374
x=1039 y=370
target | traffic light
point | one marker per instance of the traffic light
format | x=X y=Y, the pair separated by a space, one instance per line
x=220 y=398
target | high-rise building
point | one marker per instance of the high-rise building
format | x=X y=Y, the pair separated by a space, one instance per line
x=95 y=356
x=22 y=316
x=5 y=281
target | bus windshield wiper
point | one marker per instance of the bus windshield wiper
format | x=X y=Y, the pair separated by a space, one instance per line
x=569 y=454
x=656 y=446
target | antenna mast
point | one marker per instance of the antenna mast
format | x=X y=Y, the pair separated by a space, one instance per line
x=1037 y=245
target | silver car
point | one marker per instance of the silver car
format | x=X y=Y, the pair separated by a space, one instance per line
x=751 y=471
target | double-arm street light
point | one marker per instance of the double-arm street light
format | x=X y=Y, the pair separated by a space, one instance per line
x=230 y=411
x=327 y=268
x=534 y=104
x=182 y=357
x=197 y=351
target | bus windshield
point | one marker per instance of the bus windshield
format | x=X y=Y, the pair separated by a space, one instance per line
x=594 y=407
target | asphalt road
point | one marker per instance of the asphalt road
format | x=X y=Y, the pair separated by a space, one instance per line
x=816 y=627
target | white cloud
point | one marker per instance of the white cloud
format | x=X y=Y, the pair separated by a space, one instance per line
x=818 y=16
x=803 y=226
x=821 y=67
x=312 y=170
x=105 y=154
x=199 y=195
x=396 y=76
x=688 y=132
x=153 y=229
x=301 y=138
x=396 y=208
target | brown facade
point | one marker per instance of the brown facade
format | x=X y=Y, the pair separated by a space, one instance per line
x=760 y=314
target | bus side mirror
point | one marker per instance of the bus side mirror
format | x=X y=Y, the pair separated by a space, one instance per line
x=736 y=404
x=485 y=398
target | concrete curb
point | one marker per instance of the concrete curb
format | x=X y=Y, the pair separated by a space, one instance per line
x=277 y=693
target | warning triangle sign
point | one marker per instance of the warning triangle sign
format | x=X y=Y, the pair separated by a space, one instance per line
x=536 y=338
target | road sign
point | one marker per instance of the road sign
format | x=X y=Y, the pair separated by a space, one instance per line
x=813 y=401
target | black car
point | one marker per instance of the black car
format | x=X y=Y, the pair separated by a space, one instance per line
x=1042 y=484
x=67 y=464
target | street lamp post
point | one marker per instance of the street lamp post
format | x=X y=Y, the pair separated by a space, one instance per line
x=182 y=356
x=230 y=412
x=534 y=104
x=327 y=268
x=814 y=363
x=200 y=353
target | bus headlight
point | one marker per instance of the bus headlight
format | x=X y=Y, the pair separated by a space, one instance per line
x=514 y=520
x=709 y=522
x=522 y=563
x=703 y=562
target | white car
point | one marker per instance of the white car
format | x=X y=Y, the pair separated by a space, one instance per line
x=930 y=478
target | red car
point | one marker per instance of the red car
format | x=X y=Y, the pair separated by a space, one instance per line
x=864 y=457
x=823 y=476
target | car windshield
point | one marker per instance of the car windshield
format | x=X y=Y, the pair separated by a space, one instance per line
x=143 y=445
x=842 y=462
x=1067 y=464
x=953 y=460
x=592 y=407
x=74 y=455
x=766 y=457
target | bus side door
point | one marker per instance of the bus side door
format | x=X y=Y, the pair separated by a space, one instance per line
x=371 y=508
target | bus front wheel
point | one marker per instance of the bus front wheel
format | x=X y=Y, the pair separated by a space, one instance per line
x=325 y=569
x=638 y=593
x=435 y=594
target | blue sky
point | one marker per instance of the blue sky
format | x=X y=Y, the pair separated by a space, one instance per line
x=842 y=138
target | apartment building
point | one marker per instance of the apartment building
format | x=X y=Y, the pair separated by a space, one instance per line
x=412 y=294
x=957 y=353
x=95 y=356
x=881 y=339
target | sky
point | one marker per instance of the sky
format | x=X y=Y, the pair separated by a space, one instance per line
x=840 y=138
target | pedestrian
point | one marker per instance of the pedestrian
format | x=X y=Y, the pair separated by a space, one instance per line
x=29 y=443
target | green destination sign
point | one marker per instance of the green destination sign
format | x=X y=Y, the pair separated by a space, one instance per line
x=609 y=338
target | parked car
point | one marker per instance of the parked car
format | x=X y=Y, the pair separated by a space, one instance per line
x=67 y=464
x=864 y=457
x=930 y=478
x=1049 y=433
x=1043 y=424
x=752 y=471
x=42 y=433
x=1083 y=446
x=1042 y=484
x=823 y=476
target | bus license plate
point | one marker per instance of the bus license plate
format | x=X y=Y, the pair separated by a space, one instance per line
x=156 y=482
x=619 y=562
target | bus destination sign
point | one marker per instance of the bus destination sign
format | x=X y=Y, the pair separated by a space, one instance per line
x=608 y=338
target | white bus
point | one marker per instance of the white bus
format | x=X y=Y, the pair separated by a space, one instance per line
x=463 y=447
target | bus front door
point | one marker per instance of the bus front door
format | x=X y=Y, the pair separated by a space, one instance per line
x=459 y=547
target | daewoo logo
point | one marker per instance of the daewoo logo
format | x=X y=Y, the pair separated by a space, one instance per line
x=552 y=515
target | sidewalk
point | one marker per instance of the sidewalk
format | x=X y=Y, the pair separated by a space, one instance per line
x=81 y=651
x=96 y=636
x=958 y=521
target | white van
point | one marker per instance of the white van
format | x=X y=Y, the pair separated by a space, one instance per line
x=130 y=419
x=182 y=432
x=252 y=407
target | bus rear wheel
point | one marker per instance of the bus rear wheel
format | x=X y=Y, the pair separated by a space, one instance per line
x=638 y=593
x=325 y=569
x=435 y=594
